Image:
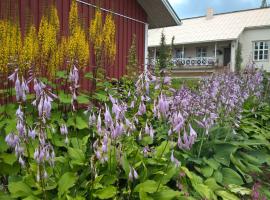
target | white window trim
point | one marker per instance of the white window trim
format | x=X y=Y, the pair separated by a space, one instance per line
x=253 y=51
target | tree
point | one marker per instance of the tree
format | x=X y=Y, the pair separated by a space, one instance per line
x=238 y=58
x=163 y=52
x=132 y=65
x=264 y=4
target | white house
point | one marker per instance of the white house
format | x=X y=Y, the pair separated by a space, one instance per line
x=211 y=41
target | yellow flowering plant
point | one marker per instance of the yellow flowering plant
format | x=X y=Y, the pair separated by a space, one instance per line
x=77 y=45
x=109 y=38
x=48 y=42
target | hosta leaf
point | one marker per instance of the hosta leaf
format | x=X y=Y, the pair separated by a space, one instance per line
x=223 y=152
x=218 y=176
x=19 y=189
x=106 y=193
x=81 y=123
x=231 y=177
x=163 y=149
x=76 y=155
x=226 y=195
x=66 y=182
x=212 y=163
x=8 y=158
x=166 y=194
x=64 y=98
x=207 y=171
x=205 y=191
x=83 y=99
x=148 y=186
x=239 y=190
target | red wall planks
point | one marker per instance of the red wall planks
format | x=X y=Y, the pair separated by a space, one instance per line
x=24 y=10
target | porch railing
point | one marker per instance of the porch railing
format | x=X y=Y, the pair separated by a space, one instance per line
x=187 y=62
x=196 y=61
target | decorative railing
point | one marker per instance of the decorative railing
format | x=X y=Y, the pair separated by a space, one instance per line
x=197 y=61
x=186 y=62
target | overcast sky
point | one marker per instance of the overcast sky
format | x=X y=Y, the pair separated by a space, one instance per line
x=192 y=8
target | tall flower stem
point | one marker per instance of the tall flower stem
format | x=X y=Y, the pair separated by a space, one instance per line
x=167 y=165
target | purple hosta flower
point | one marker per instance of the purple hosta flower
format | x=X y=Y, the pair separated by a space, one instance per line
x=38 y=87
x=19 y=150
x=192 y=136
x=163 y=105
x=174 y=160
x=147 y=129
x=146 y=151
x=45 y=106
x=133 y=175
x=167 y=80
x=99 y=128
x=116 y=110
x=170 y=132
x=105 y=144
x=92 y=119
x=21 y=161
x=130 y=126
x=142 y=109
x=177 y=122
x=151 y=132
x=21 y=86
x=188 y=140
x=132 y=104
x=21 y=128
x=74 y=75
x=12 y=140
x=19 y=113
x=113 y=101
x=108 y=118
x=44 y=153
x=32 y=133
x=63 y=129
x=118 y=130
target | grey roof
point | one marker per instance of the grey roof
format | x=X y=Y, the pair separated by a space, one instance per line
x=221 y=27
x=160 y=13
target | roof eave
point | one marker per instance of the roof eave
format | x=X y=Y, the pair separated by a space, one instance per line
x=171 y=11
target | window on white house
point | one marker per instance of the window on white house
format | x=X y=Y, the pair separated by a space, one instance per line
x=261 y=51
x=201 y=52
x=179 y=53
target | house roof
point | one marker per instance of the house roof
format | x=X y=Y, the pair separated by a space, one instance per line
x=221 y=27
x=160 y=13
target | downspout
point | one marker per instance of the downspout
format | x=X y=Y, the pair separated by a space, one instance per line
x=146 y=47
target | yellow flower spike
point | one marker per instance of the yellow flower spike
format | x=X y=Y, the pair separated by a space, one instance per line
x=29 y=50
x=77 y=47
x=73 y=17
x=48 y=42
x=95 y=31
x=109 y=37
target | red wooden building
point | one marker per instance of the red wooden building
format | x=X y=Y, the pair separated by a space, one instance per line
x=131 y=17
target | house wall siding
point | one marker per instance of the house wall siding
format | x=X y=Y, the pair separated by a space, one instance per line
x=247 y=38
x=32 y=10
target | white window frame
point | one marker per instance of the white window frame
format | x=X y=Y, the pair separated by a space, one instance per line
x=201 y=52
x=264 y=50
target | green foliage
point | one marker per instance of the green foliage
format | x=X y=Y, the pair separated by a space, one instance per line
x=132 y=64
x=227 y=168
x=164 y=53
x=238 y=58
